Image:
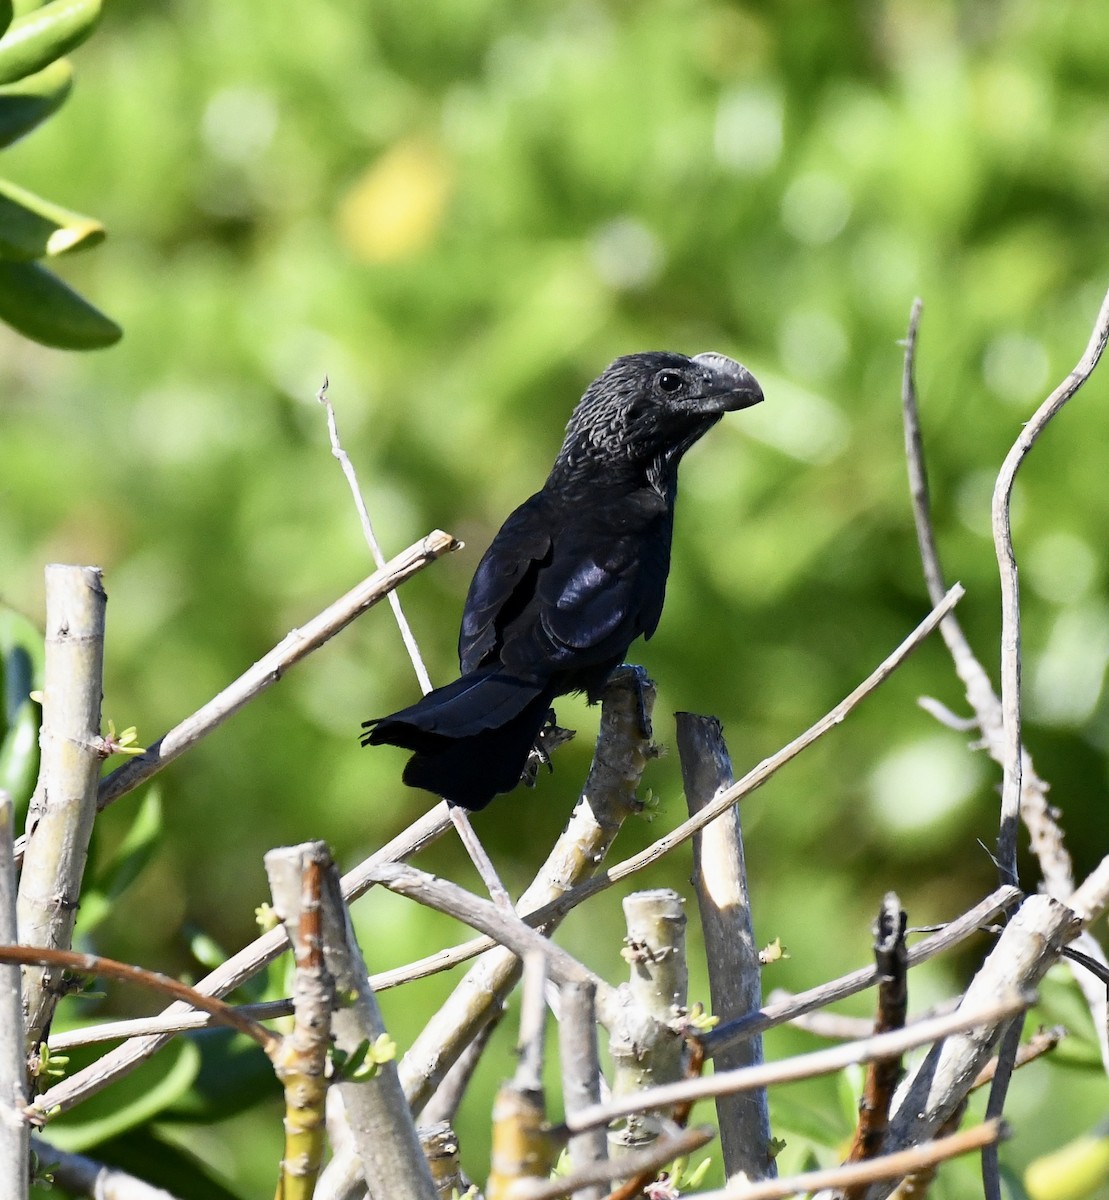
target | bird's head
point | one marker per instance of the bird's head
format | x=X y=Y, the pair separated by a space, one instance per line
x=652 y=407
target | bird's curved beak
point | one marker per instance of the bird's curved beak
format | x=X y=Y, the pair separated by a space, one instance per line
x=731 y=385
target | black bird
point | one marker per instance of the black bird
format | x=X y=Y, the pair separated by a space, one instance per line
x=574 y=576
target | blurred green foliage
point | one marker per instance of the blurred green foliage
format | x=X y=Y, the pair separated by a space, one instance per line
x=460 y=217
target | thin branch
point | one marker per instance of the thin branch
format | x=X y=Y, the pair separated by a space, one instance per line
x=805 y=1066
x=506 y=927
x=641 y=1161
x=888 y=1167
x=94 y=964
x=1010 y=592
x=1004 y=1065
x=63 y=808
x=14 y=1131
x=269 y=669
x=371 y=538
x=779 y=1012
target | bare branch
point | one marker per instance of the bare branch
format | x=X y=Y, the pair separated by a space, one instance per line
x=63 y=808
x=95 y=964
x=507 y=928
x=268 y=670
x=888 y=1167
x=731 y=951
x=1039 y=817
x=1004 y=1004
x=384 y=1134
x=1010 y=592
x=857 y=981
x=371 y=539
x=642 y=1162
x=1028 y=946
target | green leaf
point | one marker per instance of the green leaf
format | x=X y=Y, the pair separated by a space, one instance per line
x=6 y=14
x=23 y=674
x=31 y=227
x=130 y=1101
x=234 y=1075
x=40 y=306
x=121 y=870
x=27 y=103
x=37 y=38
x=21 y=658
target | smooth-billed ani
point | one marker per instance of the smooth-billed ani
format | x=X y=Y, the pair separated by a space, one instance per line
x=574 y=576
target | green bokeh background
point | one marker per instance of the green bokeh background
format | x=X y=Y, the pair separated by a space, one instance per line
x=459 y=213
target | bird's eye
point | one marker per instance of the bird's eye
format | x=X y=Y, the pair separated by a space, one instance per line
x=669 y=381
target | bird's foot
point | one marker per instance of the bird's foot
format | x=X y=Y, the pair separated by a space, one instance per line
x=551 y=736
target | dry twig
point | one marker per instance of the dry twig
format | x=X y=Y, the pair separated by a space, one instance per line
x=888 y=1167
x=807 y=1066
x=269 y=669
x=1010 y=593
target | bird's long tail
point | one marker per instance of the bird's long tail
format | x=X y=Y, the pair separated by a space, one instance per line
x=470 y=739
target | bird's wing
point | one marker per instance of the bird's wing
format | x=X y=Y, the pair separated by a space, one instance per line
x=593 y=608
x=504 y=583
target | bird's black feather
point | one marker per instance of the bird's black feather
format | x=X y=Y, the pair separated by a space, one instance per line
x=574 y=576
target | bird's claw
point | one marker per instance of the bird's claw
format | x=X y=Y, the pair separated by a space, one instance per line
x=551 y=736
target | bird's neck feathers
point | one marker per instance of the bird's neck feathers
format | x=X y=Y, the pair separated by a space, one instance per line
x=588 y=471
